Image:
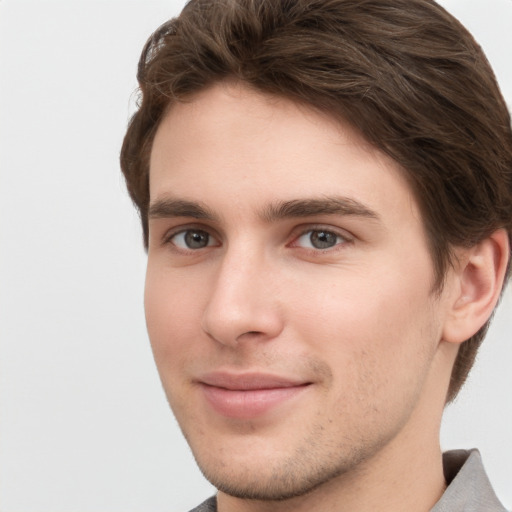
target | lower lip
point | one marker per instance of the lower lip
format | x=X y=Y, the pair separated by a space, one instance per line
x=249 y=404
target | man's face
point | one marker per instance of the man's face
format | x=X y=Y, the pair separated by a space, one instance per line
x=288 y=293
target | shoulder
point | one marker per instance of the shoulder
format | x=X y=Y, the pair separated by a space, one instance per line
x=469 y=489
x=210 y=505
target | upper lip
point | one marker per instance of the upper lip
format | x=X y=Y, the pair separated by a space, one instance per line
x=249 y=381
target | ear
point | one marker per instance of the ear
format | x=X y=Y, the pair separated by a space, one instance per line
x=478 y=280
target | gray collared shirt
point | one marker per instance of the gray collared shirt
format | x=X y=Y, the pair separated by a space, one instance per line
x=469 y=489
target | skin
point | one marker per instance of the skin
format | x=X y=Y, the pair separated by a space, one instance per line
x=354 y=320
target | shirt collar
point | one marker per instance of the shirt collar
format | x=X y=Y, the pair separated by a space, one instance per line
x=469 y=489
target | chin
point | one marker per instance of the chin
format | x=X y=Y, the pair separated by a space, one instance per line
x=276 y=487
x=265 y=479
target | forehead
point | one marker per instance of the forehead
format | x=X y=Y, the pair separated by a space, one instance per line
x=232 y=146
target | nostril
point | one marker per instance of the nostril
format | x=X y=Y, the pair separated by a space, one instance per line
x=250 y=335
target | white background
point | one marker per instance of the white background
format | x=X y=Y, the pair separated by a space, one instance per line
x=84 y=426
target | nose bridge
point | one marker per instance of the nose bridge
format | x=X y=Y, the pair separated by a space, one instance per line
x=240 y=301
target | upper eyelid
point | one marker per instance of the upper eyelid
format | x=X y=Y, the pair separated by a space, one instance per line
x=306 y=228
x=212 y=241
x=296 y=231
x=175 y=230
x=166 y=241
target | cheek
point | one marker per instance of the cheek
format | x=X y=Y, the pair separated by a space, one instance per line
x=172 y=311
x=375 y=337
x=379 y=349
x=171 y=318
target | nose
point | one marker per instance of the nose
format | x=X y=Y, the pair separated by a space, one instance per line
x=243 y=303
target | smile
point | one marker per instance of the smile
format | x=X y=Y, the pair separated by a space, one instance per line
x=250 y=395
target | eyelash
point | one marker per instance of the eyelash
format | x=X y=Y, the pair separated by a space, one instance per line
x=168 y=238
x=343 y=236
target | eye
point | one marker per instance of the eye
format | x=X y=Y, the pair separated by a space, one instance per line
x=319 y=239
x=193 y=239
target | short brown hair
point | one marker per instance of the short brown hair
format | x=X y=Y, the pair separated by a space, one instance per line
x=405 y=73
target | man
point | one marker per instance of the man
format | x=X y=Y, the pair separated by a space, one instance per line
x=325 y=188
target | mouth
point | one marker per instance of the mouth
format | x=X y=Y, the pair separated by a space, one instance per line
x=249 y=395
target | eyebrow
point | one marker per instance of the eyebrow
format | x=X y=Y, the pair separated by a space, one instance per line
x=169 y=207
x=295 y=208
x=299 y=208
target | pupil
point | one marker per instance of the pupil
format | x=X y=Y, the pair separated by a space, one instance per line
x=196 y=239
x=323 y=239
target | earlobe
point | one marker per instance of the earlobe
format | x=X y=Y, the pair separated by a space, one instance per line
x=478 y=283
